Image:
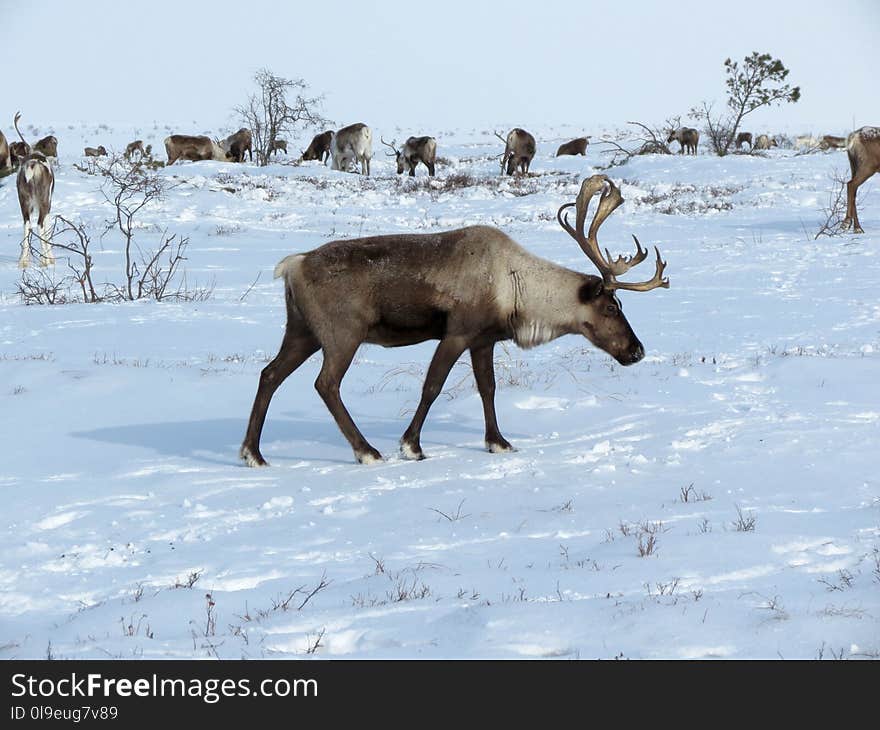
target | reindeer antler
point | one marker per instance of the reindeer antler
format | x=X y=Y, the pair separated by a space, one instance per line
x=610 y=270
x=392 y=146
x=15 y=124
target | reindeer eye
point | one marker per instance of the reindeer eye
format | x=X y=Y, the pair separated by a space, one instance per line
x=611 y=309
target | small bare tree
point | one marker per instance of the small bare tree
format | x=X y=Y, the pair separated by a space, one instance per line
x=271 y=115
x=129 y=188
x=757 y=83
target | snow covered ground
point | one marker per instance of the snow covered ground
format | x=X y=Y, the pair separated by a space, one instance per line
x=719 y=499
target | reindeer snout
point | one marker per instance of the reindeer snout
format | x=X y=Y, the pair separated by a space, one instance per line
x=634 y=355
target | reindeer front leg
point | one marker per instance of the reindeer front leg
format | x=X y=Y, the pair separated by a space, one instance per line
x=482 y=361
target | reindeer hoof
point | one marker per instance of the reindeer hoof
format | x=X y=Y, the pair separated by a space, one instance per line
x=499 y=447
x=413 y=453
x=252 y=457
x=369 y=457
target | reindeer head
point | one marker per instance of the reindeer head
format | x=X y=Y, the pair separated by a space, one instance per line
x=599 y=310
x=401 y=160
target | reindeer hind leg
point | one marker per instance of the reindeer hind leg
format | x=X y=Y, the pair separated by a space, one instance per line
x=484 y=373
x=25 y=259
x=47 y=257
x=337 y=360
x=298 y=345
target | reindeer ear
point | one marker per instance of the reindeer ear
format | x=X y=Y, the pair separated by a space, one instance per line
x=590 y=289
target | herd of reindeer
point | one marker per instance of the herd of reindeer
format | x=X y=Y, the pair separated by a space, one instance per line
x=469 y=288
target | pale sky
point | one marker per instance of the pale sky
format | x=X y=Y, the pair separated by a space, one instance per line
x=431 y=67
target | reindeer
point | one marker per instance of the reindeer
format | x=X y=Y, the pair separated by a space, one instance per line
x=763 y=142
x=35 y=184
x=469 y=288
x=829 y=141
x=132 y=147
x=519 y=150
x=863 y=150
x=350 y=144
x=743 y=137
x=98 y=151
x=319 y=147
x=687 y=137
x=48 y=146
x=17 y=152
x=575 y=147
x=277 y=145
x=238 y=143
x=414 y=151
x=5 y=157
x=806 y=142
x=188 y=147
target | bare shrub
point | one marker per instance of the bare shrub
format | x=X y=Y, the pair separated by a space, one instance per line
x=648 y=532
x=647 y=141
x=452 y=516
x=835 y=211
x=689 y=494
x=313 y=646
x=744 y=522
x=43 y=286
x=148 y=273
x=190 y=581
x=210 y=615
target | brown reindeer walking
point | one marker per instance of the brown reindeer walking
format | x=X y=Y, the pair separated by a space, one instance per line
x=468 y=288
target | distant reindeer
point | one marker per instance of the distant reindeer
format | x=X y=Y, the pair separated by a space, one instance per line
x=198 y=147
x=98 y=151
x=238 y=143
x=278 y=145
x=829 y=141
x=687 y=137
x=519 y=151
x=48 y=146
x=35 y=184
x=863 y=150
x=763 y=142
x=18 y=151
x=575 y=147
x=131 y=148
x=414 y=151
x=806 y=141
x=743 y=137
x=352 y=144
x=469 y=288
x=319 y=147
x=5 y=157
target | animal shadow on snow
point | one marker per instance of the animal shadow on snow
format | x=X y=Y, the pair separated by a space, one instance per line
x=217 y=441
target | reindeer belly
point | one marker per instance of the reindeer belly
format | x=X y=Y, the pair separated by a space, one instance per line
x=407 y=325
